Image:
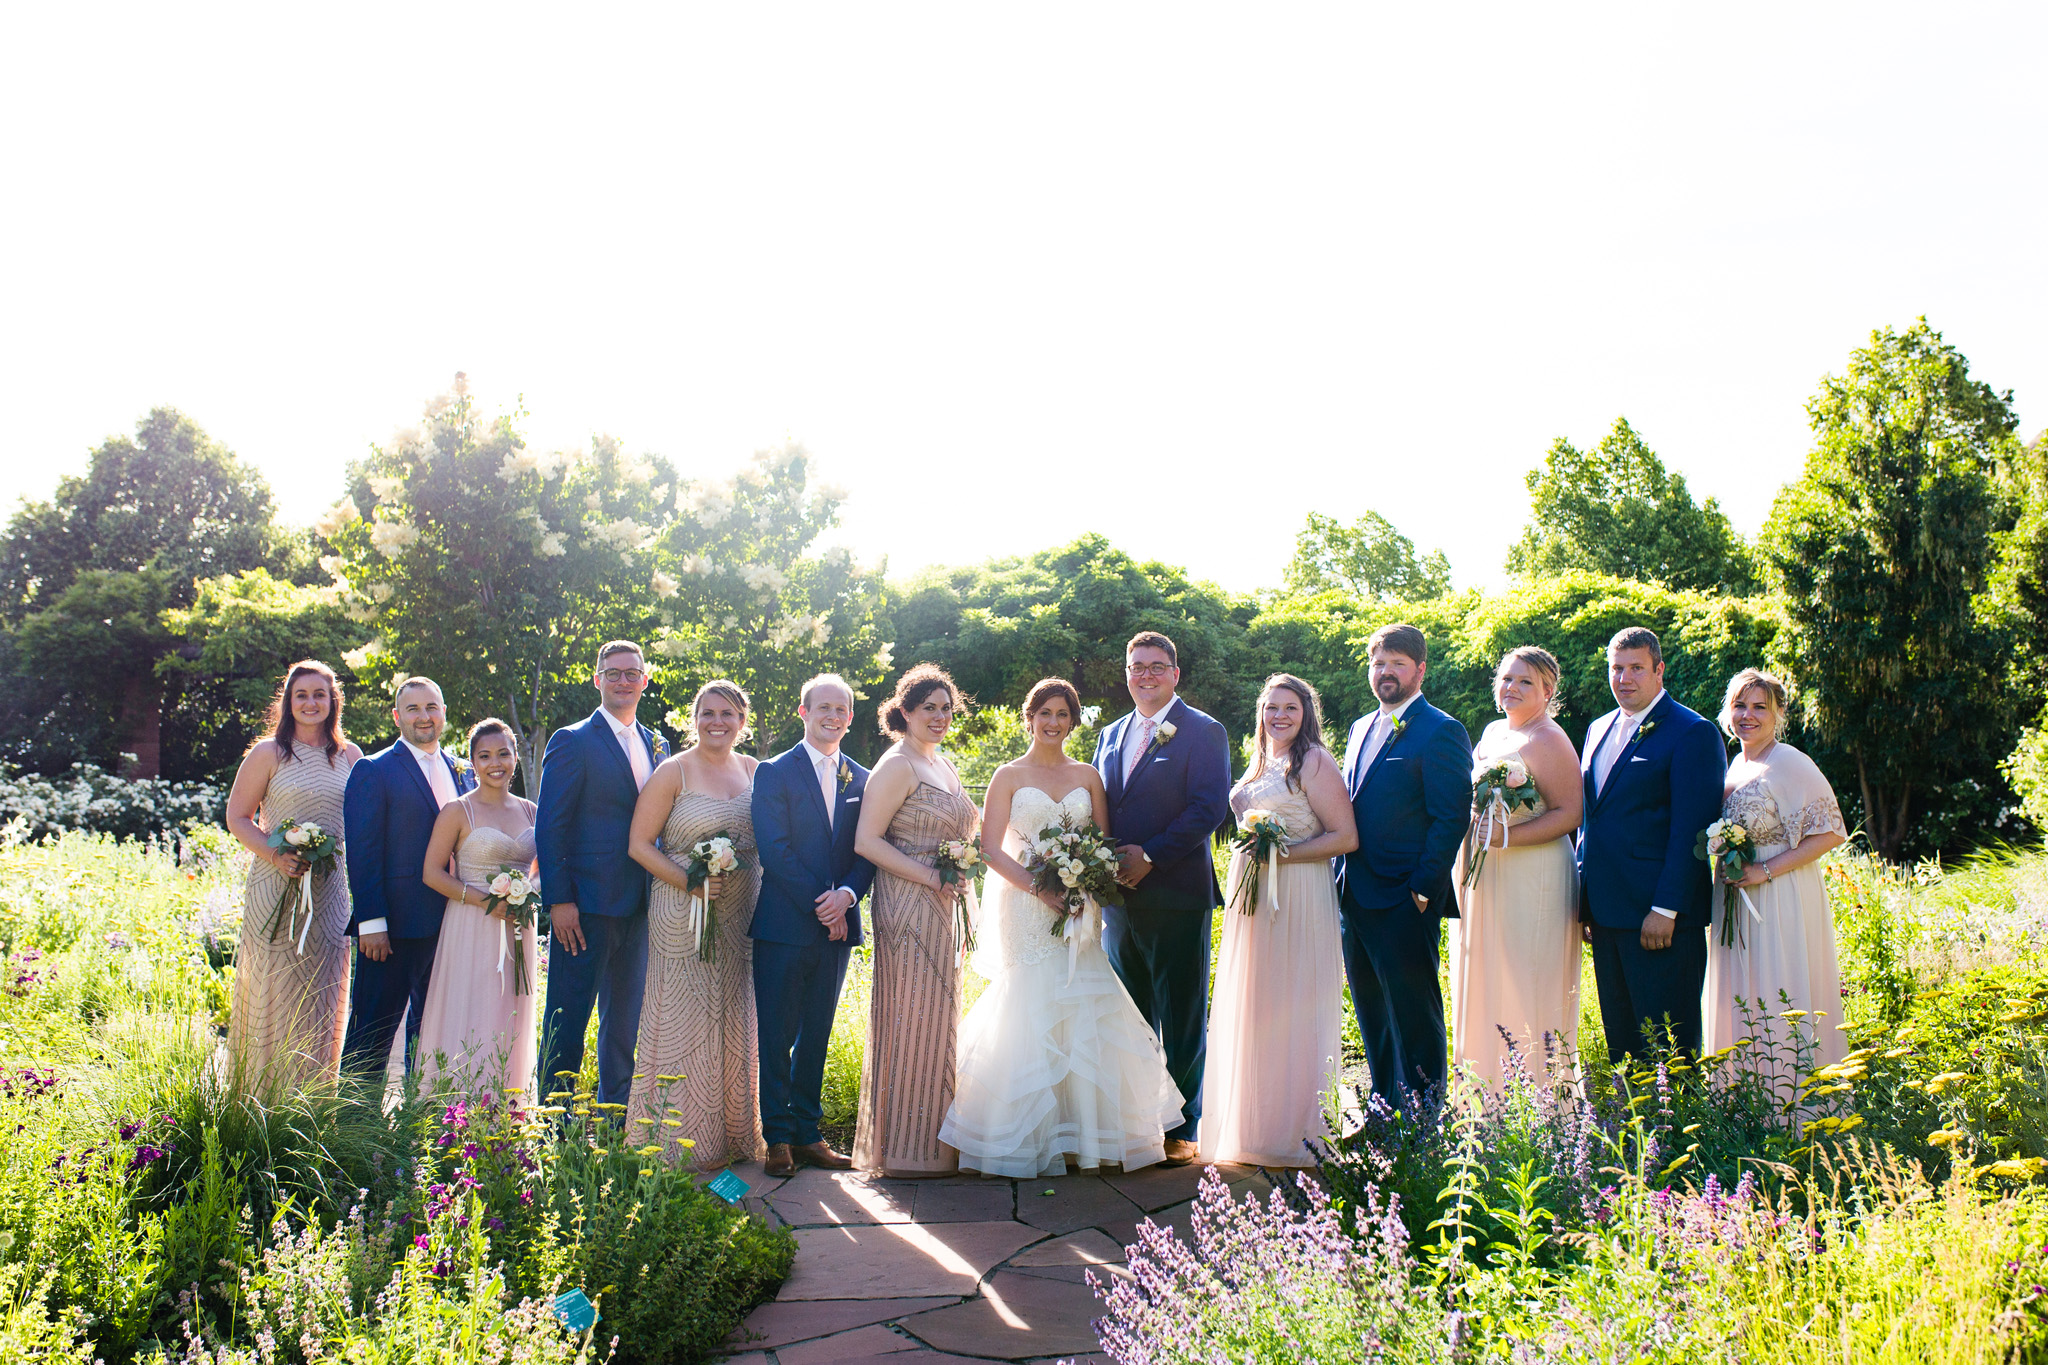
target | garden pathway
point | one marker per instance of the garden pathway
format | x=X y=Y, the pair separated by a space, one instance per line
x=933 y=1272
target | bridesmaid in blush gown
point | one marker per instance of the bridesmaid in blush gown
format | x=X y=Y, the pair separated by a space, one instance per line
x=697 y=1077
x=914 y=802
x=1276 y=1032
x=478 y=1028
x=291 y=1002
x=1516 y=944
x=1788 y=944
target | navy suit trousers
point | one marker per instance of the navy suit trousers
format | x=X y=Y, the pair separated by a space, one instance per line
x=382 y=994
x=796 y=994
x=1641 y=990
x=1161 y=954
x=1390 y=958
x=610 y=973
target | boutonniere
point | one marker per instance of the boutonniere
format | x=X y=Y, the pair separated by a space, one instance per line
x=845 y=774
x=1162 y=734
x=660 y=745
x=460 y=765
x=1642 y=730
x=1394 y=730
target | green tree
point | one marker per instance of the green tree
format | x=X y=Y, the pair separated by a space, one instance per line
x=1882 y=549
x=1066 y=612
x=1368 y=559
x=752 y=598
x=79 y=674
x=234 y=643
x=1617 y=510
x=2020 y=599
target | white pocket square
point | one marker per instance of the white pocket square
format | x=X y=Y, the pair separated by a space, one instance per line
x=1160 y=759
x=853 y=800
x=1639 y=759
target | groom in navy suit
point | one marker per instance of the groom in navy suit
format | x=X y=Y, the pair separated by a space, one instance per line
x=597 y=954
x=388 y=812
x=1408 y=767
x=1653 y=772
x=806 y=921
x=1167 y=770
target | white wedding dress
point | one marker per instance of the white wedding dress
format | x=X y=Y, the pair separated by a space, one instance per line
x=1054 y=1059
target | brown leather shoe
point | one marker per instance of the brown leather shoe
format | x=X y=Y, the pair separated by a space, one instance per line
x=779 y=1163
x=819 y=1155
x=1180 y=1152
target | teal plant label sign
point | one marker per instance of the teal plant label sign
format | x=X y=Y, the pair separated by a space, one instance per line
x=729 y=1187
x=576 y=1311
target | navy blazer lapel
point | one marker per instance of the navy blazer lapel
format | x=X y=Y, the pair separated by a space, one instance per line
x=1387 y=744
x=1145 y=759
x=1114 y=738
x=801 y=757
x=601 y=730
x=842 y=787
x=1635 y=742
x=409 y=760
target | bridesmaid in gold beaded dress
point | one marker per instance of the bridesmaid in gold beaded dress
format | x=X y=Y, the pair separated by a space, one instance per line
x=697 y=1075
x=914 y=802
x=291 y=1004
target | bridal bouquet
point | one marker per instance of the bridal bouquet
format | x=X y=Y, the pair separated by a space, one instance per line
x=514 y=898
x=957 y=860
x=713 y=857
x=1261 y=837
x=1078 y=863
x=309 y=841
x=1498 y=791
x=1727 y=849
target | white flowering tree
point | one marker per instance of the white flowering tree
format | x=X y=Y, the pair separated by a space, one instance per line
x=750 y=598
x=494 y=569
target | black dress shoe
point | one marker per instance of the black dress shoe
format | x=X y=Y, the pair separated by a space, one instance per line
x=779 y=1163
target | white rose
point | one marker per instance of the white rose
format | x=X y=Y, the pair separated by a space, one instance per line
x=501 y=884
x=1070 y=877
x=1166 y=731
x=1515 y=772
x=297 y=838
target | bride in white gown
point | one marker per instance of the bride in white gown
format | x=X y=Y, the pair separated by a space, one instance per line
x=1055 y=1062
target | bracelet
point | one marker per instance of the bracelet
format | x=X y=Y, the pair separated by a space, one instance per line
x=465 y=893
x=1770 y=873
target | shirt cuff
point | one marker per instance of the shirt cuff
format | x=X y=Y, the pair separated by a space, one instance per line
x=1660 y=910
x=373 y=926
x=849 y=894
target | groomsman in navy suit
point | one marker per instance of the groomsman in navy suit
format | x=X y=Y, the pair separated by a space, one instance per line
x=1167 y=770
x=806 y=920
x=589 y=781
x=1653 y=772
x=388 y=812
x=1408 y=767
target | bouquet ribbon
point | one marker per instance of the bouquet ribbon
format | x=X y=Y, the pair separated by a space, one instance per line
x=1496 y=810
x=1080 y=928
x=966 y=910
x=504 y=951
x=1749 y=904
x=305 y=903
x=698 y=906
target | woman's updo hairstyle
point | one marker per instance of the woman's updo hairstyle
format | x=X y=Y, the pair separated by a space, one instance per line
x=490 y=725
x=1542 y=663
x=732 y=692
x=1774 y=688
x=912 y=688
x=1043 y=691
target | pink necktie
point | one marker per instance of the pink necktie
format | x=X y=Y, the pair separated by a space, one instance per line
x=1144 y=743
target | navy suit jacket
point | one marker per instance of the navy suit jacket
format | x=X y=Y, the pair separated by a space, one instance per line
x=585 y=816
x=1413 y=807
x=1637 y=836
x=802 y=857
x=387 y=815
x=1178 y=796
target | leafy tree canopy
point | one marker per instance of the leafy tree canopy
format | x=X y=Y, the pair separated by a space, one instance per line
x=1617 y=510
x=1368 y=559
x=1881 y=550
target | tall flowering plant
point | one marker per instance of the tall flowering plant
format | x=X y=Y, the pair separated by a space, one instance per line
x=310 y=841
x=513 y=900
x=1261 y=838
x=1728 y=849
x=708 y=858
x=1499 y=790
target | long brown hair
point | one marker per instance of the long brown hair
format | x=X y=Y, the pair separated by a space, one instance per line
x=1306 y=740
x=283 y=728
x=911 y=689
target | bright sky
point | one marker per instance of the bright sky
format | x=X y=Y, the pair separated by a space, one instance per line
x=1175 y=273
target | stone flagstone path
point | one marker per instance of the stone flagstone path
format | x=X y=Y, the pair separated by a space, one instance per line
x=933 y=1272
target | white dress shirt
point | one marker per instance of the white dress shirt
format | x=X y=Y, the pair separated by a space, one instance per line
x=1613 y=745
x=434 y=768
x=1377 y=734
x=628 y=734
x=826 y=766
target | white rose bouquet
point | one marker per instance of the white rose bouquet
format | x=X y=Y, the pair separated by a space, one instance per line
x=1262 y=838
x=713 y=857
x=513 y=899
x=957 y=860
x=307 y=840
x=1499 y=789
x=1728 y=849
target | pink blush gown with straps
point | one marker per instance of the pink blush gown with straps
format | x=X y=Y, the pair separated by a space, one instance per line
x=476 y=1030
